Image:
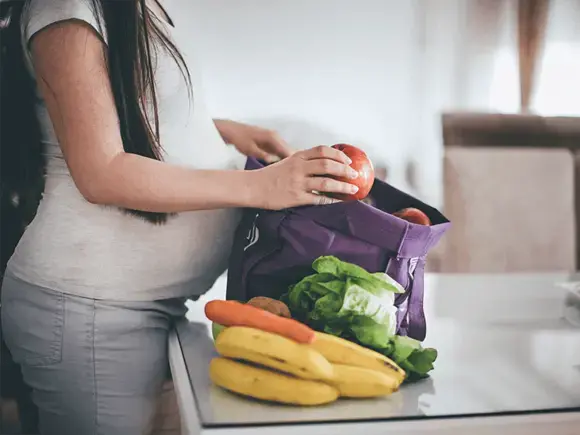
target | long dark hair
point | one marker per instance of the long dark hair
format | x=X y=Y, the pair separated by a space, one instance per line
x=133 y=36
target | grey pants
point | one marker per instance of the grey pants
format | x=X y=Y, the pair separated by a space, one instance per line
x=95 y=367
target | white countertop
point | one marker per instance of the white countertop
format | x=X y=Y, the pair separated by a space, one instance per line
x=504 y=349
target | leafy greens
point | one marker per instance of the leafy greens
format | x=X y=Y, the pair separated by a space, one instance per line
x=345 y=300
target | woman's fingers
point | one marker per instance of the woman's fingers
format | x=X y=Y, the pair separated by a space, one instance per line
x=297 y=180
x=330 y=167
x=329 y=185
x=324 y=152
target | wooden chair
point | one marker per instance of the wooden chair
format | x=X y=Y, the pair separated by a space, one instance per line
x=512 y=210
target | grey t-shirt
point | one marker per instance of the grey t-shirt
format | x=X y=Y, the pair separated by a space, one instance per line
x=101 y=252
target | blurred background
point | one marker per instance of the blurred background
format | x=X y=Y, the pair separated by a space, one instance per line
x=471 y=105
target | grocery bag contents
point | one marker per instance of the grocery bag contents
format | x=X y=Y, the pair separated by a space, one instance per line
x=364 y=167
x=413 y=215
x=341 y=341
x=333 y=334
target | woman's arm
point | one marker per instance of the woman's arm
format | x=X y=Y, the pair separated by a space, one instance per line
x=69 y=61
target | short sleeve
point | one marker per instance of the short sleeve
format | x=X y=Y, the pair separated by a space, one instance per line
x=40 y=14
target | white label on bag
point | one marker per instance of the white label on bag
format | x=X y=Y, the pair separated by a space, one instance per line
x=412 y=266
x=253 y=235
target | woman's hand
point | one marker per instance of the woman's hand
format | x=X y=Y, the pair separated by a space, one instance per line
x=253 y=141
x=296 y=180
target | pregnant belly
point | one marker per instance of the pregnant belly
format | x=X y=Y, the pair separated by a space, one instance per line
x=88 y=245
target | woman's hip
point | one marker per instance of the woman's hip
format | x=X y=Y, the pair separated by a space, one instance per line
x=40 y=321
x=88 y=360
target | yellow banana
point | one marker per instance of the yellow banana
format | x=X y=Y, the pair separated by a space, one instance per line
x=274 y=351
x=340 y=351
x=354 y=381
x=268 y=385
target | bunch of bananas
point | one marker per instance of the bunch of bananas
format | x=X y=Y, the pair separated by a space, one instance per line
x=267 y=366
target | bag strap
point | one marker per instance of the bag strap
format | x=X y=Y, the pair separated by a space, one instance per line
x=417 y=325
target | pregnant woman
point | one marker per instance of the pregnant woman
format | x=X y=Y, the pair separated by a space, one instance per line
x=124 y=184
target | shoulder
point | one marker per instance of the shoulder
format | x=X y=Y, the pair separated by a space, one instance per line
x=40 y=14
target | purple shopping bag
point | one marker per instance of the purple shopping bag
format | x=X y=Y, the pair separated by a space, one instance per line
x=275 y=249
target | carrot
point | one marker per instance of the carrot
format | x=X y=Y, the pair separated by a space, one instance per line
x=233 y=313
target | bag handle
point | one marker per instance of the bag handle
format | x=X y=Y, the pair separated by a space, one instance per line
x=417 y=324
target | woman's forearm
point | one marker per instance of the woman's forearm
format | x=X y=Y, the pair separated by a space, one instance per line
x=139 y=183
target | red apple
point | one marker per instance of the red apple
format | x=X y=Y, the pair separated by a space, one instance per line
x=413 y=215
x=366 y=173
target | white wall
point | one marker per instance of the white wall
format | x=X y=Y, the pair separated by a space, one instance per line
x=319 y=71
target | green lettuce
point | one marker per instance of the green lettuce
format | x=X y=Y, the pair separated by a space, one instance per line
x=216 y=329
x=345 y=300
x=411 y=356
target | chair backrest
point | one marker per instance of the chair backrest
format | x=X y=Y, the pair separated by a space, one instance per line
x=512 y=210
